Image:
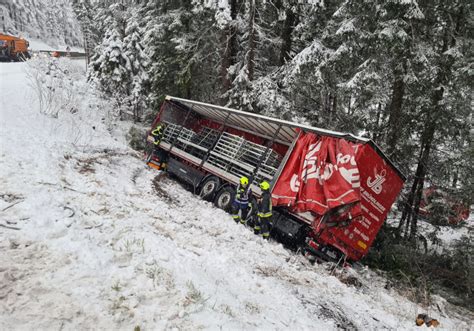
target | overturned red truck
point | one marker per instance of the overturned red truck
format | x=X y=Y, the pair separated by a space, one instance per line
x=331 y=191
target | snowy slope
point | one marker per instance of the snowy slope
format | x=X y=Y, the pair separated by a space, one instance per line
x=92 y=239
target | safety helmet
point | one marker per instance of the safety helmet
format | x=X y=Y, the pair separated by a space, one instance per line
x=244 y=181
x=161 y=127
x=264 y=185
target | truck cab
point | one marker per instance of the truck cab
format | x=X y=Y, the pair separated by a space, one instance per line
x=13 y=48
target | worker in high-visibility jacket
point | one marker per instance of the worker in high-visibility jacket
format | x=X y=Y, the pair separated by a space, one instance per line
x=157 y=133
x=241 y=202
x=264 y=215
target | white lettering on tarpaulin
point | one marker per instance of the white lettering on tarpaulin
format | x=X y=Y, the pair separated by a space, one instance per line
x=366 y=223
x=343 y=159
x=370 y=198
x=364 y=236
x=351 y=176
x=374 y=217
x=294 y=183
x=311 y=169
x=376 y=184
x=361 y=234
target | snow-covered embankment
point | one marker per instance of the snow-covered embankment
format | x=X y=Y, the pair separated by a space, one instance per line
x=91 y=238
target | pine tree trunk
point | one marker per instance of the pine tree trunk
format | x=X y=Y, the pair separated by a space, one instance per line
x=407 y=211
x=288 y=27
x=418 y=191
x=188 y=89
x=455 y=178
x=412 y=207
x=378 y=129
x=226 y=60
x=395 y=111
x=334 y=104
x=427 y=140
x=228 y=39
x=250 y=56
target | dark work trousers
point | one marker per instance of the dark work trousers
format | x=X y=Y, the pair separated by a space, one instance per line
x=265 y=224
x=243 y=208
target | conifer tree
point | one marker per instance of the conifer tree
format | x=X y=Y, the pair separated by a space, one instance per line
x=110 y=67
x=134 y=51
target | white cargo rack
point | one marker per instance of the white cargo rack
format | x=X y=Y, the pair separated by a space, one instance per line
x=240 y=157
x=231 y=154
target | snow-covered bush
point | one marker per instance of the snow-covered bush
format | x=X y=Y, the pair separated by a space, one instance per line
x=61 y=92
x=136 y=138
x=55 y=82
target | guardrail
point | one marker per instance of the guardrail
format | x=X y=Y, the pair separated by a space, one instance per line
x=62 y=53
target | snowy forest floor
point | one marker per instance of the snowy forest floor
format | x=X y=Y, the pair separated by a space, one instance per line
x=90 y=238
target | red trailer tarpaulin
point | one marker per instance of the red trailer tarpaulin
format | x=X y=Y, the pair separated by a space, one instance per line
x=321 y=174
x=324 y=173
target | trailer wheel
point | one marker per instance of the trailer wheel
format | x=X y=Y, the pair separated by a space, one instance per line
x=209 y=188
x=224 y=198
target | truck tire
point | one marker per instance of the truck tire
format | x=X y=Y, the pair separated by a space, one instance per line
x=224 y=198
x=208 y=189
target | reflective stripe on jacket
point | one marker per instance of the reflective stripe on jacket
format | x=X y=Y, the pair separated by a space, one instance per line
x=243 y=194
x=265 y=205
x=158 y=131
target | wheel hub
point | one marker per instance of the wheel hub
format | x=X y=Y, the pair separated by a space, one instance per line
x=224 y=200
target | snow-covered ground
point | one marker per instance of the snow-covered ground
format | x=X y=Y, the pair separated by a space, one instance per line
x=441 y=238
x=39 y=45
x=446 y=236
x=90 y=238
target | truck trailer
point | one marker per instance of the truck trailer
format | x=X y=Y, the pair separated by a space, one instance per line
x=331 y=191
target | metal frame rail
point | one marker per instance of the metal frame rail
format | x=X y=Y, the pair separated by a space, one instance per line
x=222 y=152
